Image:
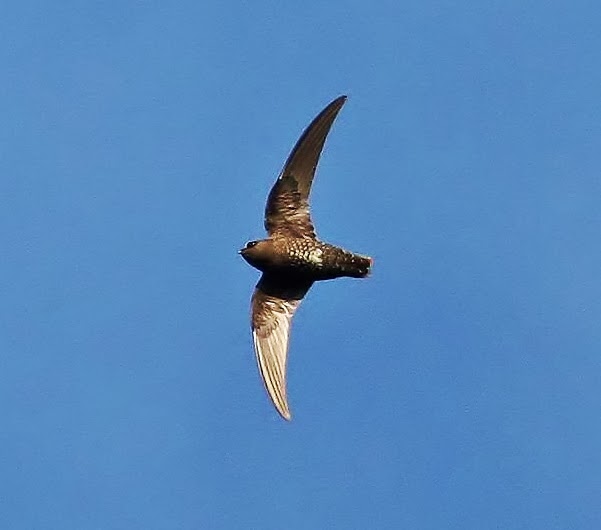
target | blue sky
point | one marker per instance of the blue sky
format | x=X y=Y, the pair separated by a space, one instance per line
x=458 y=387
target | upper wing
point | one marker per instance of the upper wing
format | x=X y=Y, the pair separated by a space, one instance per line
x=273 y=305
x=287 y=209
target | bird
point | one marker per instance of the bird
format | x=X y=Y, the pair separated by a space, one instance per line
x=292 y=258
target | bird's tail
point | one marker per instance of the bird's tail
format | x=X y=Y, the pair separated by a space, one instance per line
x=354 y=265
x=337 y=262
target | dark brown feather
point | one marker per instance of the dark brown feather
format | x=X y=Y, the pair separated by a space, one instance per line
x=287 y=210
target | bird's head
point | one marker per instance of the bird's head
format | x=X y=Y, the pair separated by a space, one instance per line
x=257 y=253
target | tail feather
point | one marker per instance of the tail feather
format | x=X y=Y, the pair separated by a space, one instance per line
x=356 y=265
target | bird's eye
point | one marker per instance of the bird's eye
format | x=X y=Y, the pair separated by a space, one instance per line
x=251 y=244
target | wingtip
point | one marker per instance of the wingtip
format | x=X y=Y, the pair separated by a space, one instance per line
x=333 y=107
x=339 y=101
x=283 y=409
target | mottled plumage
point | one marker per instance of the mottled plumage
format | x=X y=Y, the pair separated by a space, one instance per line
x=292 y=258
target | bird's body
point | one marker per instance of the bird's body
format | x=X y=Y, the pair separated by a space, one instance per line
x=292 y=258
x=306 y=257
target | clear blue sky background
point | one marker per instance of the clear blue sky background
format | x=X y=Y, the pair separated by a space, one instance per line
x=458 y=387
